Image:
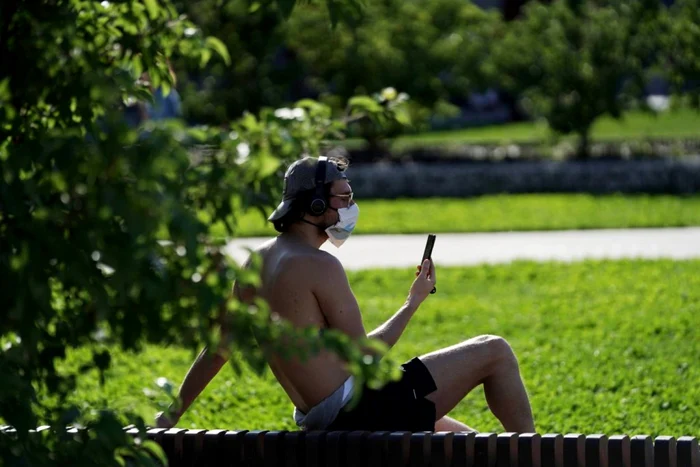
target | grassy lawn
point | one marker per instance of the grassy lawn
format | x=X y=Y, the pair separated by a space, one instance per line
x=510 y=212
x=682 y=123
x=604 y=347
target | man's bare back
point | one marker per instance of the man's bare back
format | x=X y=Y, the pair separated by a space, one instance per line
x=292 y=278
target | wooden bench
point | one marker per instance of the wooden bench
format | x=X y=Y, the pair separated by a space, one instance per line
x=261 y=448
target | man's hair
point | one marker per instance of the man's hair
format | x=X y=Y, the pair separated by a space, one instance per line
x=300 y=204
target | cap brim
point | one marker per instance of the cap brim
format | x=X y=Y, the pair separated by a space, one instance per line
x=282 y=209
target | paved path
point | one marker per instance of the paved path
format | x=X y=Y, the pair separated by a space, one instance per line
x=383 y=251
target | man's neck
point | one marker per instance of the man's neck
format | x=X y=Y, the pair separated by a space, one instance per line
x=306 y=233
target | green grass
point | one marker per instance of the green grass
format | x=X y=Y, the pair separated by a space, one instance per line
x=510 y=212
x=681 y=123
x=604 y=347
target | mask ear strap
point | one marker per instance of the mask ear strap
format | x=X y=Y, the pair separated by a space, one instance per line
x=315 y=225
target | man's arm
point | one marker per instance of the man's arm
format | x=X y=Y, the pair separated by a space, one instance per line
x=340 y=307
x=202 y=371
x=205 y=367
x=392 y=329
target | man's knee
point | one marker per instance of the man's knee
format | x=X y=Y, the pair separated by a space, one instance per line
x=499 y=350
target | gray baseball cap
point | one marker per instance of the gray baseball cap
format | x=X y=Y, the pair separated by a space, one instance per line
x=300 y=177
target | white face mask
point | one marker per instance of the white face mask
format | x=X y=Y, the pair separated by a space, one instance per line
x=339 y=232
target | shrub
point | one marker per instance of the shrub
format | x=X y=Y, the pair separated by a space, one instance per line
x=105 y=228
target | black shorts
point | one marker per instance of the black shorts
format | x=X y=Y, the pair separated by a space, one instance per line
x=397 y=406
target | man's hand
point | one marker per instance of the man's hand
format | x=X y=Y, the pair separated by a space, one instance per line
x=166 y=420
x=423 y=284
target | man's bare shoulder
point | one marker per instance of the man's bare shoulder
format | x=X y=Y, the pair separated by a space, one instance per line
x=314 y=263
x=303 y=262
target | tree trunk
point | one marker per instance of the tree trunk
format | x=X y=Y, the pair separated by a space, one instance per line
x=584 y=142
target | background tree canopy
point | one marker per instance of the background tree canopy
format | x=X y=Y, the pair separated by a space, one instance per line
x=431 y=50
x=566 y=62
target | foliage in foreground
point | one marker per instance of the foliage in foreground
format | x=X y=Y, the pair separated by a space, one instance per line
x=604 y=347
x=104 y=229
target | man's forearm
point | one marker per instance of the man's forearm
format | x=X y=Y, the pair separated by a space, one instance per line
x=202 y=371
x=391 y=330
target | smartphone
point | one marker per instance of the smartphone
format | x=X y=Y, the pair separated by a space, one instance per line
x=428 y=252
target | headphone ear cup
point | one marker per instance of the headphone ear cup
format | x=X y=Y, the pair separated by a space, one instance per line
x=317 y=206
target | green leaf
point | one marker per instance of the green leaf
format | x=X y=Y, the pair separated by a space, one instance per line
x=119 y=458
x=204 y=57
x=219 y=47
x=365 y=103
x=153 y=449
x=403 y=117
x=268 y=166
x=152 y=7
x=5 y=90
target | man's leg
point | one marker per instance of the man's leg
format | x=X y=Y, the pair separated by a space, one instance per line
x=487 y=360
x=450 y=424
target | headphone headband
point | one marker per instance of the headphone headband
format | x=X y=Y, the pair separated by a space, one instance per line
x=318 y=202
x=320 y=172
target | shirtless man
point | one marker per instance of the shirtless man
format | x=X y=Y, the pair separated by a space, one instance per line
x=309 y=287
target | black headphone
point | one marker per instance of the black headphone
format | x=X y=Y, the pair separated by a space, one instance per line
x=318 y=204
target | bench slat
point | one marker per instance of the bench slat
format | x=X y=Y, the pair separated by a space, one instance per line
x=642 y=451
x=619 y=450
x=357 y=443
x=399 y=446
x=253 y=444
x=441 y=449
x=378 y=449
x=688 y=452
x=507 y=449
x=552 y=450
x=334 y=448
x=420 y=449
x=273 y=448
x=574 y=450
x=192 y=445
x=156 y=434
x=292 y=447
x=463 y=449
x=485 y=450
x=171 y=442
x=314 y=449
x=212 y=447
x=232 y=447
x=665 y=451
x=529 y=450
x=596 y=450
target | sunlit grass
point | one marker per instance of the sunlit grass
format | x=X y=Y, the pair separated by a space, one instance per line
x=637 y=125
x=604 y=347
x=509 y=212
